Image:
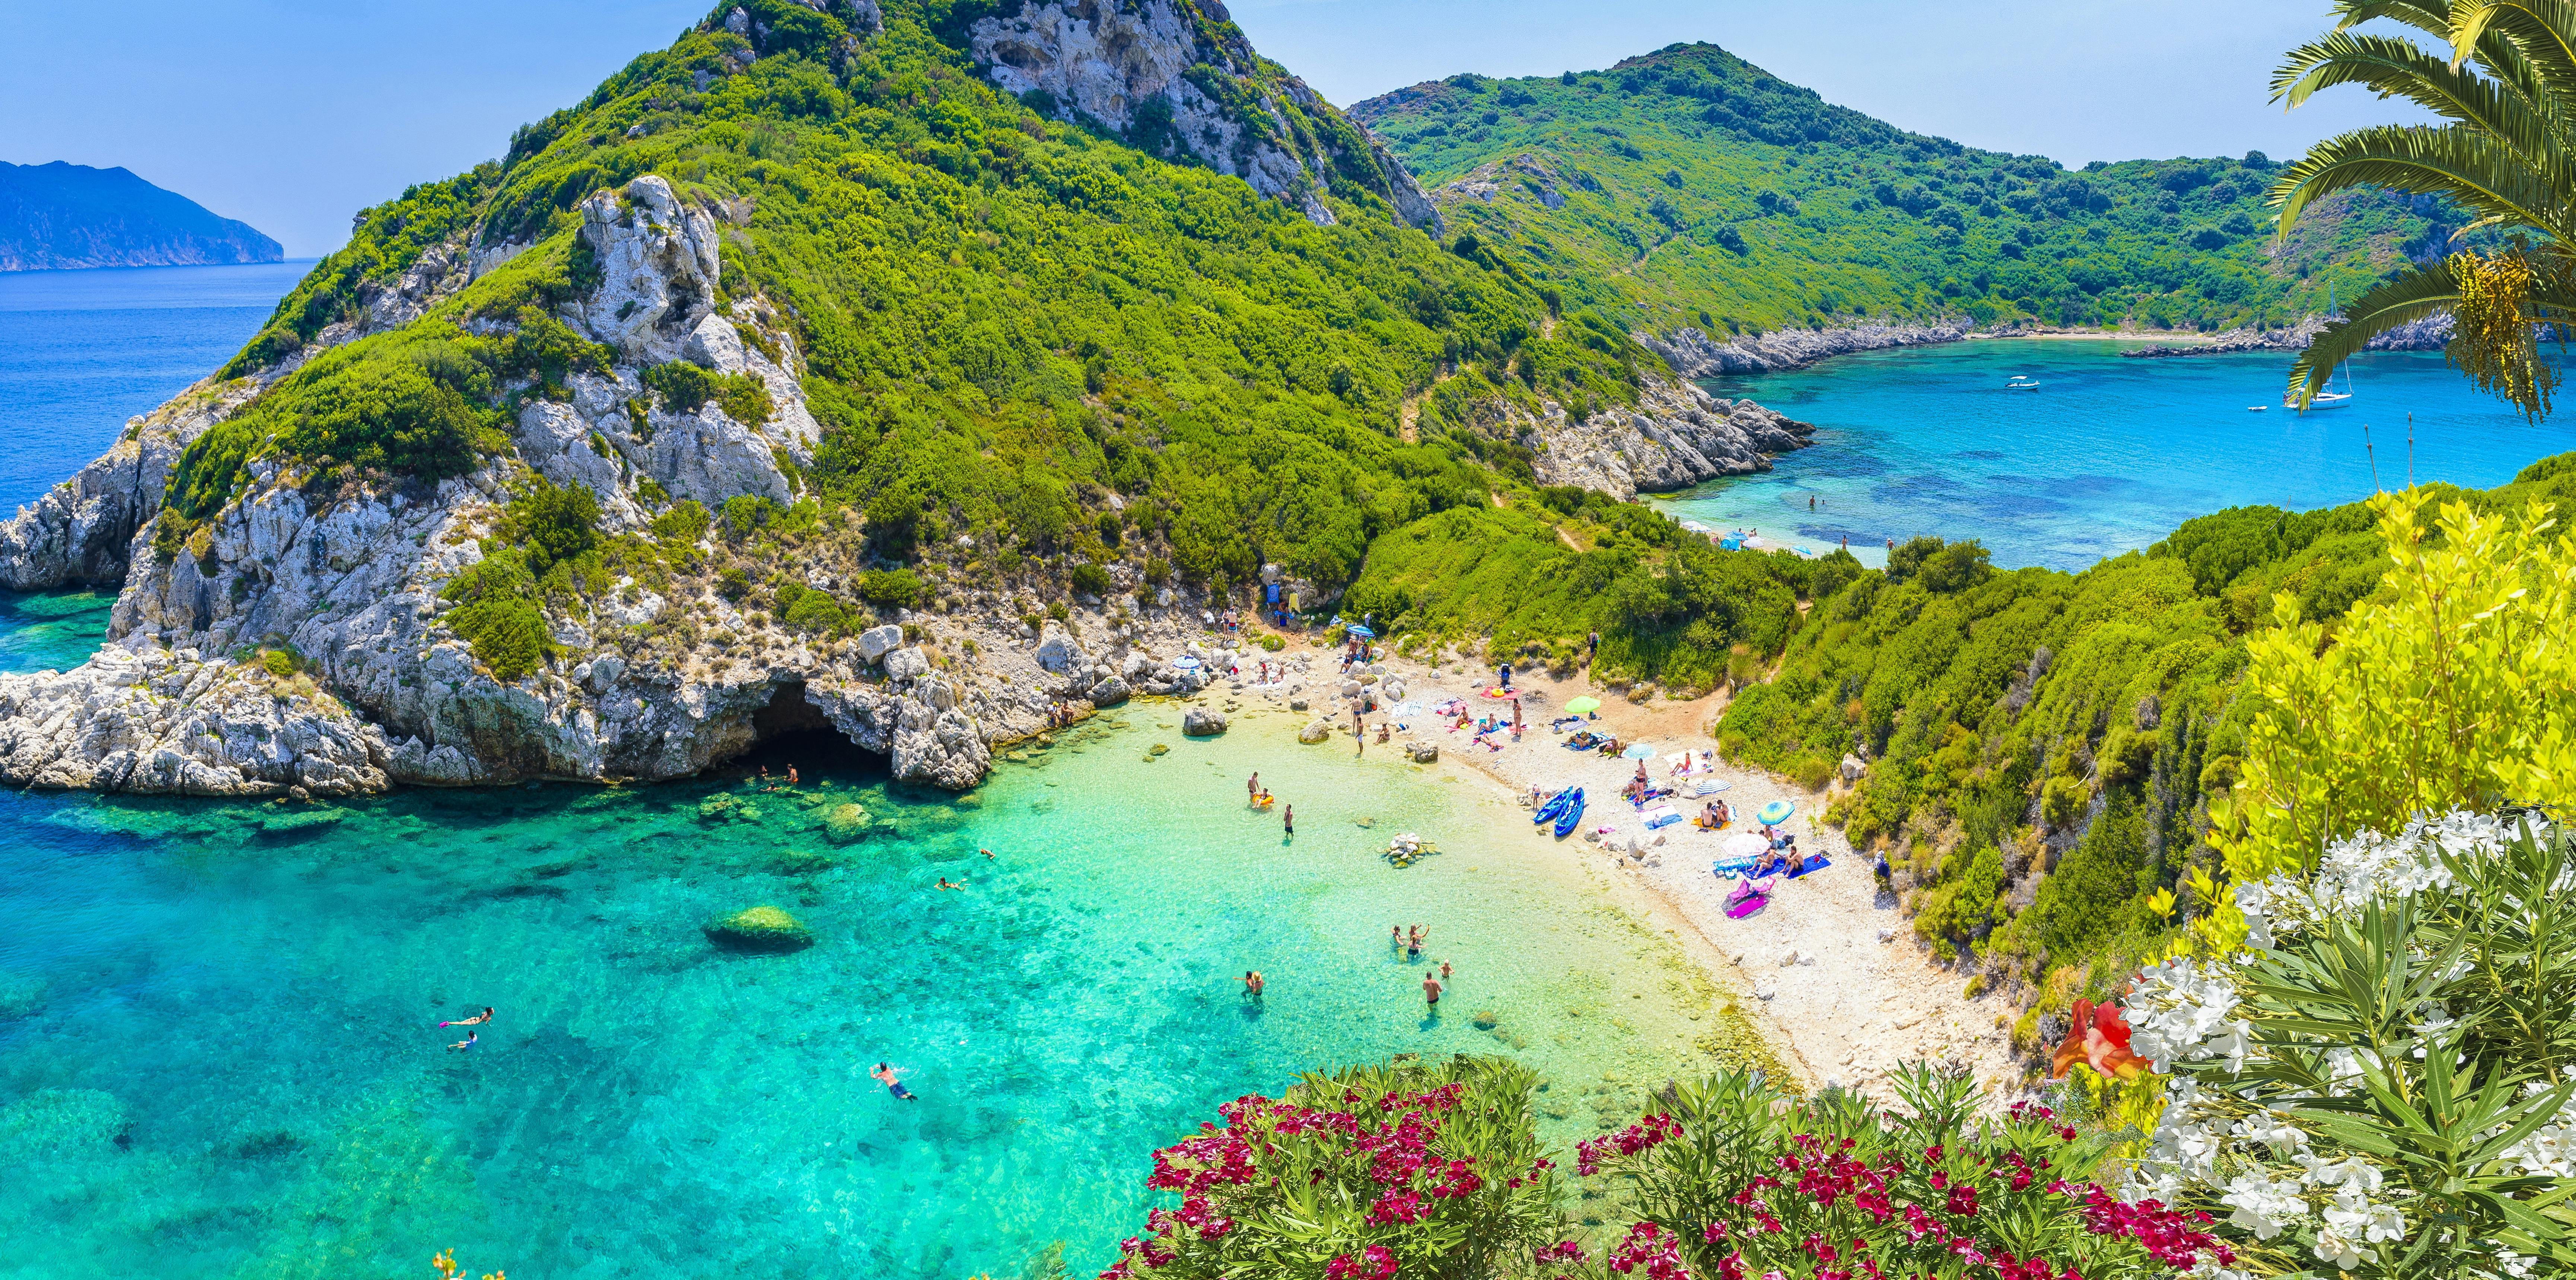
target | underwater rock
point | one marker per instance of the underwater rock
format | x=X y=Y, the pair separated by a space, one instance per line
x=19 y=993
x=844 y=822
x=1315 y=731
x=61 y=1121
x=761 y=928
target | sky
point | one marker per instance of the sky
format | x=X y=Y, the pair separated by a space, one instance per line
x=292 y=115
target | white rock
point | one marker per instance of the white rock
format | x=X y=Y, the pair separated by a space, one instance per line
x=877 y=642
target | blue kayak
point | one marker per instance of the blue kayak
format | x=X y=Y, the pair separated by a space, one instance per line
x=1572 y=814
x=1554 y=806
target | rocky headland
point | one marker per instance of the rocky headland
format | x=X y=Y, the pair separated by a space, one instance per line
x=1693 y=354
x=59 y=217
x=305 y=635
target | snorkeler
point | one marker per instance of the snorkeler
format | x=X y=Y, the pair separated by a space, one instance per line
x=944 y=883
x=475 y=1021
x=892 y=1079
x=468 y=1041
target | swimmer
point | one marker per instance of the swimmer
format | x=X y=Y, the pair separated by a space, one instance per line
x=1413 y=944
x=944 y=884
x=468 y=1041
x=475 y=1021
x=1252 y=984
x=1444 y=971
x=986 y=852
x=1431 y=992
x=892 y=1079
x=791 y=775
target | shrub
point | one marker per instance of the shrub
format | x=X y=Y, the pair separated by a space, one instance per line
x=1411 y=1169
x=733 y=584
x=276 y=663
x=1057 y=611
x=1091 y=580
x=685 y=523
x=684 y=387
x=744 y=398
x=1273 y=644
x=552 y=524
x=1734 y=1177
x=508 y=635
x=1158 y=570
x=2385 y=1083
x=744 y=513
x=817 y=611
x=890 y=588
x=1813 y=772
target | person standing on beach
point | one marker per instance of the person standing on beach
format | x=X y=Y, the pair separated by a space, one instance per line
x=1431 y=992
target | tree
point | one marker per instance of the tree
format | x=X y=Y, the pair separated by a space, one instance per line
x=2503 y=156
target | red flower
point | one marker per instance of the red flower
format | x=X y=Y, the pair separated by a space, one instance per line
x=1374 y=1263
x=2099 y=1038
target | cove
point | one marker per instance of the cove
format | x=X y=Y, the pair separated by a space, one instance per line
x=219 y=1053
x=2108 y=456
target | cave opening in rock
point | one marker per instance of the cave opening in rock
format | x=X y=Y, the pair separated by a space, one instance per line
x=791 y=730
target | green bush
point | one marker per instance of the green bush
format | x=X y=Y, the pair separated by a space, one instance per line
x=817 y=611
x=686 y=523
x=552 y=524
x=747 y=513
x=1091 y=580
x=683 y=387
x=891 y=588
x=276 y=663
x=1272 y=643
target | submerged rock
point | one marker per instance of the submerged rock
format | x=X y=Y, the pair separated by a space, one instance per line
x=845 y=822
x=1315 y=731
x=762 y=928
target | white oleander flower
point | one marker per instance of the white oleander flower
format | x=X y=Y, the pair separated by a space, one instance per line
x=2175 y=1010
x=2335 y=1247
x=2351 y=1172
x=2207 y=1268
x=2271 y=1128
x=2263 y=1206
x=2511 y=1263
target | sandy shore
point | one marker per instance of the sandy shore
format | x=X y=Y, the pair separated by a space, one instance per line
x=1840 y=986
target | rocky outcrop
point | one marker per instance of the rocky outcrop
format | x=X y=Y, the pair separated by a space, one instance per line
x=1523 y=172
x=2431 y=333
x=1692 y=354
x=79 y=533
x=762 y=928
x=1676 y=436
x=1199 y=722
x=1178 y=79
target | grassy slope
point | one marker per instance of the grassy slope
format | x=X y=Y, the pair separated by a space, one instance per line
x=2035 y=704
x=1701 y=190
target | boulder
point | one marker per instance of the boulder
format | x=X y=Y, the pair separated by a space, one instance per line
x=1853 y=767
x=762 y=928
x=1315 y=731
x=1057 y=649
x=1423 y=751
x=1296 y=704
x=1199 y=722
x=845 y=822
x=877 y=642
x=1109 y=692
x=905 y=664
x=1394 y=687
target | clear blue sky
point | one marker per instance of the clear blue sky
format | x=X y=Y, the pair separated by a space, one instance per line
x=291 y=115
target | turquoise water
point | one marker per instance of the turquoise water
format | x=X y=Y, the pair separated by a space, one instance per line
x=219 y=1054
x=82 y=351
x=56 y=630
x=2107 y=456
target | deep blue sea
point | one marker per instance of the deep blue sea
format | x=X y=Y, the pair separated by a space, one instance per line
x=2107 y=456
x=82 y=351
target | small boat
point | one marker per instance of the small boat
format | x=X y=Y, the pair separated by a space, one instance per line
x=2021 y=382
x=1555 y=805
x=1570 y=815
x=2254 y=408
x=2322 y=400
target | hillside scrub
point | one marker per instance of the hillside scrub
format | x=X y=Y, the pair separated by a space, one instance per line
x=2046 y=751
x=1691 y=188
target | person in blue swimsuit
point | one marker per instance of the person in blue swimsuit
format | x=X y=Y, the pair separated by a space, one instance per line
x=891 y=1078
x=468 y=1041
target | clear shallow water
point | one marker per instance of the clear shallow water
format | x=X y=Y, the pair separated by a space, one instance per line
x=55 y=630
x=82 y=351
x=218 y=1051
x=2107 y=456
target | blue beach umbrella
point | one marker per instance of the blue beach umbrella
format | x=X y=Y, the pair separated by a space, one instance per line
x=1641 y=751
x=1775 y=813
x=1362 y=632
x=1185 y=663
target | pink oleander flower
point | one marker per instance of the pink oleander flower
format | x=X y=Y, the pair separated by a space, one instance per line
x=1374 y=1263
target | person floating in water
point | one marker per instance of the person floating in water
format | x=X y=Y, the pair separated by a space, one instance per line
x=892 y=1079
x=475 y=1021
x=468 y=1041
x=1431 y=992
x=1252 y=984
x=944 y=883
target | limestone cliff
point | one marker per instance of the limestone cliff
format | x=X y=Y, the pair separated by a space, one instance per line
x=1676 y=436
x=1693 y=354
x=1177 y=78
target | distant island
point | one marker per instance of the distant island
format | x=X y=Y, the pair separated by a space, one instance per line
x=59 y=216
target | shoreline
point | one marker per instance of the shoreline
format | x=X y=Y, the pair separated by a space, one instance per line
x=1829 y=975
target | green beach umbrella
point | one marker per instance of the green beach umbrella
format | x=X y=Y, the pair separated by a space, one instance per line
x=1775 y=813
x=1581 y=705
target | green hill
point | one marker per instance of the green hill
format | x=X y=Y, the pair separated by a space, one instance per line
x=1689 y=187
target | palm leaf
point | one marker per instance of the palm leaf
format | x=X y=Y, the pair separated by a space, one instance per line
x=2456 y=161
x=2410 y=297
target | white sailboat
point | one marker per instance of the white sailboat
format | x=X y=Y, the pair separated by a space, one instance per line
x=2327 y=397
x=2021 y=382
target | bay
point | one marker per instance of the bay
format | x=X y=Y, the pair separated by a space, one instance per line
x=2108 y=456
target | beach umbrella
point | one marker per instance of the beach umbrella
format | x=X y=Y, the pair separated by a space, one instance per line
x=1362 y=632
x=1641 y=751
x=1746 y=844
x=1185 y=663
x=1775 y=813
x=1583 y=705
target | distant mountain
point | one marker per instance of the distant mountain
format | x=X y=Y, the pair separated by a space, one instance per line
x=62 y=216
x=1690 y=188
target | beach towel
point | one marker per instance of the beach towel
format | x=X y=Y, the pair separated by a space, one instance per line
x=1725 y=867
x=1747 y=899
x=1662 y=815
x=1814 y=862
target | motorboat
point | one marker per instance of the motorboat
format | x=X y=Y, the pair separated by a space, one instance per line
x=2021 y=382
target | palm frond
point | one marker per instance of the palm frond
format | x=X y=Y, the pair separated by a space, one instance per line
x=2432 y=17
x=2455 y=161
x=2541 y=37
x=2402 y=68
x=2410 y=297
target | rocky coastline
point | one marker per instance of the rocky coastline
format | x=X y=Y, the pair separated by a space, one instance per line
x=1693 y=354
x=2429 y=334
